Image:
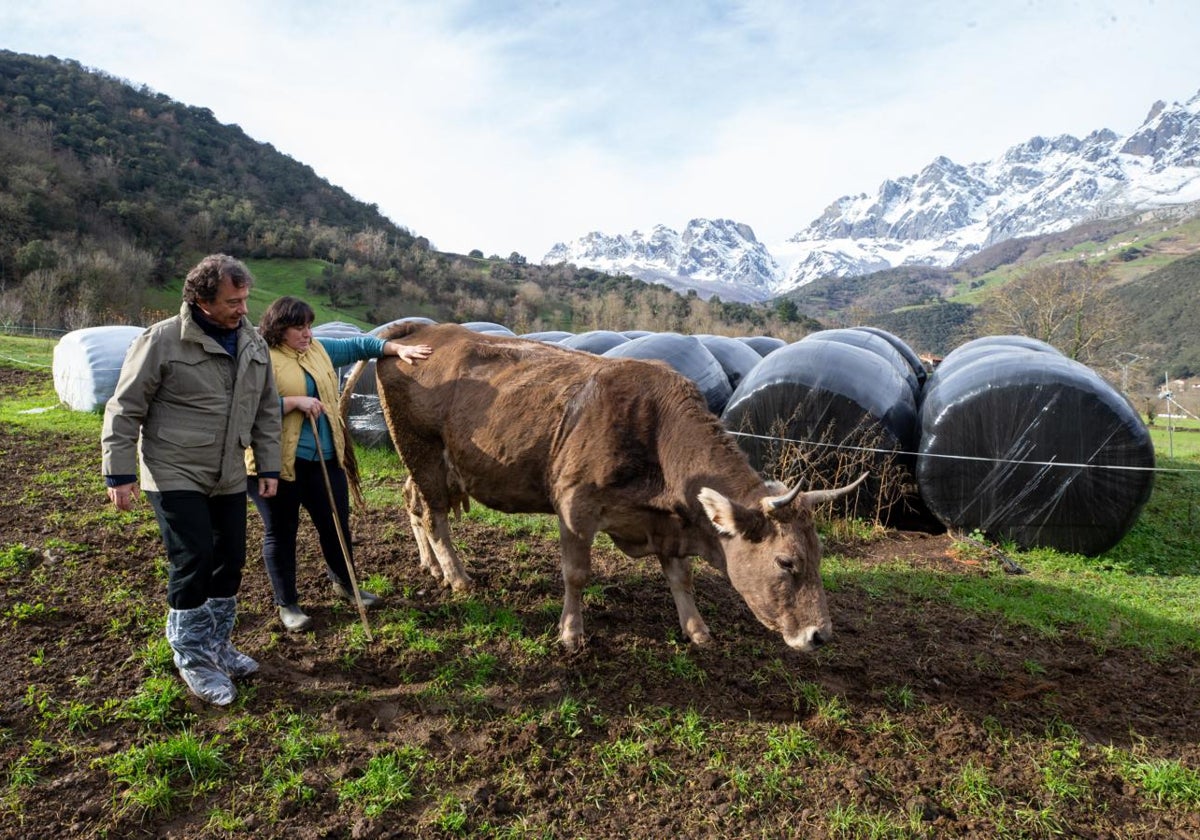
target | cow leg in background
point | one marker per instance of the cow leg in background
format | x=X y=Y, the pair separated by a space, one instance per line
x=429 y=462
x=445 y=553
x=416 y=513
x=576 y=571
x=679 y=576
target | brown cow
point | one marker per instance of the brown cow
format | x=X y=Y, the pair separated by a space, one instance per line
x=623 y=446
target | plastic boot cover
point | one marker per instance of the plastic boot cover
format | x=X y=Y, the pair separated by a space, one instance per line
x=189 y=633
x=230 y=660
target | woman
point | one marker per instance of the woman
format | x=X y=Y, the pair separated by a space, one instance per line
x=306 y=376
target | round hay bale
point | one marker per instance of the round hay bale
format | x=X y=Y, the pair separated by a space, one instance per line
x=685 y=354
x=735 y=357
x=336 y=329
x=988 y=344
x=910 y=356
x=823 y=412
x=488 y=327
x=86 y=364
x=1031 y=447
x=878 y=345
x=366 y=423
x=597 y=342
x=762 y=344
x=548 y=336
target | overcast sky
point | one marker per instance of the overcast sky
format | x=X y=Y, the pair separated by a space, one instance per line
x=511 y=125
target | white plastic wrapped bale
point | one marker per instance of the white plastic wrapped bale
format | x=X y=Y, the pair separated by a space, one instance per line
x=337 y=329
x=1028 y=446
x=823 y=412
x=686 y=355
x=488 y=327
x=87 y=364
x=548 y=336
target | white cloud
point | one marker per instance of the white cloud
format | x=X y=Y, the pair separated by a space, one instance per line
x=512 y=125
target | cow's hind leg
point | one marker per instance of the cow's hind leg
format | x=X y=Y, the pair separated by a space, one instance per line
x=416 y=521
x=576 y=570
x=679 y=576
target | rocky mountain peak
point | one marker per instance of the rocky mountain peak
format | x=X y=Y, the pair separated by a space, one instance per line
x=941 y=215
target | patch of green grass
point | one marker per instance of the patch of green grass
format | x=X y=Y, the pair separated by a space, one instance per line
x=1165 y=781
x=975 y=790
x=386 y=783
x=851 y=821
x=22 y=611
x=17 y=558
x=157 y=704
x=155 y=778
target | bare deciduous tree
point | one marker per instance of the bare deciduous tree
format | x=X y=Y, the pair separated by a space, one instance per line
x=1068 y=305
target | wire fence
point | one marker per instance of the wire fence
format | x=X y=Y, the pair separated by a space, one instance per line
x=46 y=332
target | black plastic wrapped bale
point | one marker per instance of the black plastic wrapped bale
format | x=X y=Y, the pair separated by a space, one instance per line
x=914 y=361
x=878 y=345
x=1031 y=447
x=762 y=344
x=735 y=357
x=685 y=354
x=988 y=344
x=823 y=412
x=597 y=342
x=548 y=336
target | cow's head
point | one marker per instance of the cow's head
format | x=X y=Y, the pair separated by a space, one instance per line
x=773 y=559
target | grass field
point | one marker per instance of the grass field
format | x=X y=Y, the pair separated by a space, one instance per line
x=958 y=700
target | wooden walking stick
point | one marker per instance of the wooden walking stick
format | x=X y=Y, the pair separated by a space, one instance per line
x=337 y=522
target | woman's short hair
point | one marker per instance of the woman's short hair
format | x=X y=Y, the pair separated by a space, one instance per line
x=284 y=312
x=205 y=278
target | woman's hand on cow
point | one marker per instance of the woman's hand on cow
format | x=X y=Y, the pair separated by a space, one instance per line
x=123 y=496
x=411 y=353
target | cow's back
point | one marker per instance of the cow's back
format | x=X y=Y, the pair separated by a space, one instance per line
x=494 y=404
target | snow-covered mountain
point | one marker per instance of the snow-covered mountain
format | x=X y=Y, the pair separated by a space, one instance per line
x=712 y=256
x=941 y=215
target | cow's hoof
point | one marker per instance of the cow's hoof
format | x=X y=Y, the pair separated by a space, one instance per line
x=702 y=639
x=572 y=644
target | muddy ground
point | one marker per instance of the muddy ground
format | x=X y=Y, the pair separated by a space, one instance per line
x=913 y=701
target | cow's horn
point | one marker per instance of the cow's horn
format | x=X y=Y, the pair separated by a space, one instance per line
x=776 y=502
x=815 y=497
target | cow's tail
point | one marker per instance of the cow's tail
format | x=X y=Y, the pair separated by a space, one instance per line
x=350 y=464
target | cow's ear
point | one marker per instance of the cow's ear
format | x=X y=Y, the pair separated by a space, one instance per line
x=720 y=511
x=776 y=488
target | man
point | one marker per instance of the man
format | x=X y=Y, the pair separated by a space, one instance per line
x=198 y=389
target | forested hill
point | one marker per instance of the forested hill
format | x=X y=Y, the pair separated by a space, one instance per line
x=107 y=189
x=84 y=153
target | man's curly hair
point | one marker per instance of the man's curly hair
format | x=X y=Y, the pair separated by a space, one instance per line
x=202 y=281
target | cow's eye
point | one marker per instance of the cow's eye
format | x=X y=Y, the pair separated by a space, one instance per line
x=787 y=564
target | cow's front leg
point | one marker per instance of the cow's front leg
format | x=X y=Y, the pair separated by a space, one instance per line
x=679 y=576
x=576 y=571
